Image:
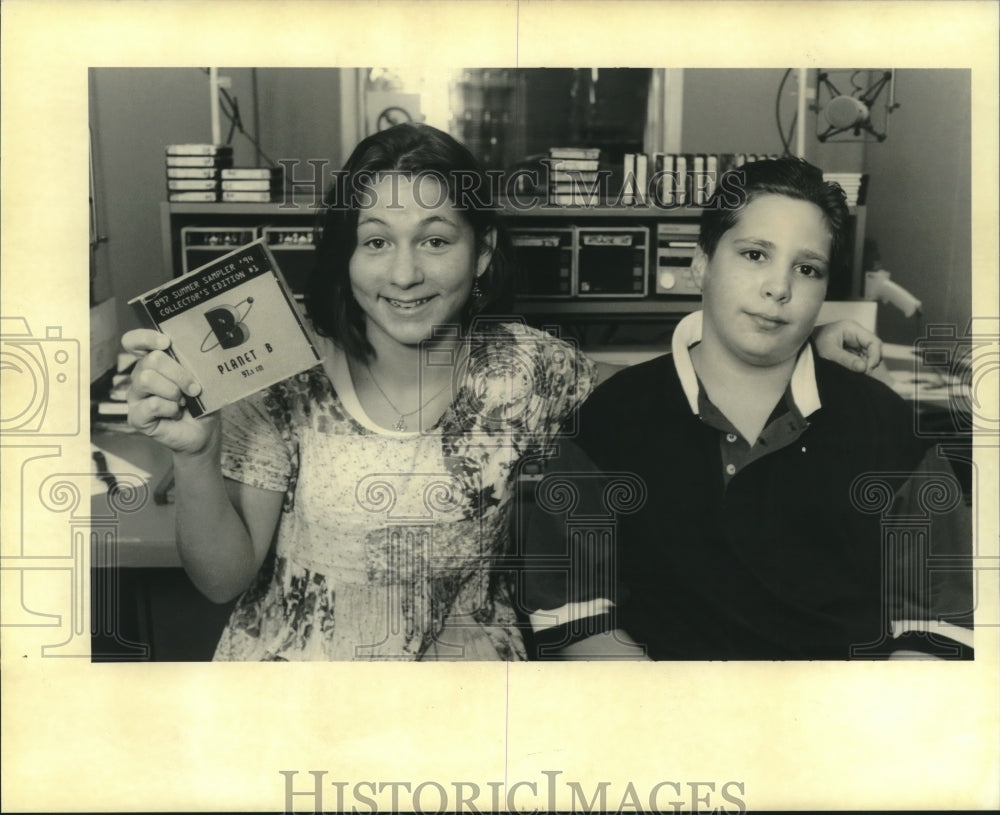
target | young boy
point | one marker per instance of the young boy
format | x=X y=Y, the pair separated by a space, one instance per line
x=731 y=500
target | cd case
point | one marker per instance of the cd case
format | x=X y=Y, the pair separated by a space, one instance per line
x=233 y=324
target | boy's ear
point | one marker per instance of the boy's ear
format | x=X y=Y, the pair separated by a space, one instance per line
x=486 y=251
x=699 y=262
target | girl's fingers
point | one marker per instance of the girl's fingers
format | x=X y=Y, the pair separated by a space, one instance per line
x=141 y=341
x=145 y=414
x=149 y=381
x=159 y=374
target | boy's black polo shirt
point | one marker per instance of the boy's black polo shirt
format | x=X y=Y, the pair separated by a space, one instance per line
x=775 y=553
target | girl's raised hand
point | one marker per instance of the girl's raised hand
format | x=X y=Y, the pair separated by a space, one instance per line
x=156 y=398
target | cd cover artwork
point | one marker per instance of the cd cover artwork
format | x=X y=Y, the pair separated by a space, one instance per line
x=233 y=324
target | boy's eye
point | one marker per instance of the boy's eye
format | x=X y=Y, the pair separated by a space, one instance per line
x=810 y=271
x=753 y=254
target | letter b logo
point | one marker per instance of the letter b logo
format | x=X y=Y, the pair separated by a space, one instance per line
x=228 y=330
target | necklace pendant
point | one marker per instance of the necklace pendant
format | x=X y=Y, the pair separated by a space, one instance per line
x=400 y=424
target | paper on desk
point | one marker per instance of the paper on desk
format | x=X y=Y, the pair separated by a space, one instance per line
x=117 y=466
x=892 y=350
x=927 y=387
x=901 y=370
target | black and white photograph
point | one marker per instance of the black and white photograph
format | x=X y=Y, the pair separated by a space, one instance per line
x=474 y=339
x=528 y=520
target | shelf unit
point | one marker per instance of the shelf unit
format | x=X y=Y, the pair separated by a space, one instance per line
x=664 y=309
x=655 y=310
x=174 y=216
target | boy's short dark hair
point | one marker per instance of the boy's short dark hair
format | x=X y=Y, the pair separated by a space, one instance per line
x=789 y=176
x=410 y=150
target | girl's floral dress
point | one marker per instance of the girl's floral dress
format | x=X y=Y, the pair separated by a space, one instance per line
x=392 y=545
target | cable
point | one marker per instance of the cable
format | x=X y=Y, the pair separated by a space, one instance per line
x=233 y=119
x=236 y=122
x=785 y=140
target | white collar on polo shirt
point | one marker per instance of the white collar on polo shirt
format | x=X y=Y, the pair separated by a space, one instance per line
x=688 y=333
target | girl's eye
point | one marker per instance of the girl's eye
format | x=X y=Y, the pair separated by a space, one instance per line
x=437 y=243
x=753 y=254
x=375 y=243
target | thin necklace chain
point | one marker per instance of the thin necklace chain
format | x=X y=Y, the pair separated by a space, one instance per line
x=400 y=423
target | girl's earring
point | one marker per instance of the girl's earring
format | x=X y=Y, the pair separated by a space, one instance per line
x=477 y=292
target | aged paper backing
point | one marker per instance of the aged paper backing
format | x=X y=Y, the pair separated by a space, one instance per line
x=78 y=736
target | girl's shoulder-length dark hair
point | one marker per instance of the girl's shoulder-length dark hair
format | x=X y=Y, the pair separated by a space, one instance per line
x=410 y=149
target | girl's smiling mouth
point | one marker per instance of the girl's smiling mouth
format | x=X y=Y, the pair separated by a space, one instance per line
x=407 y=305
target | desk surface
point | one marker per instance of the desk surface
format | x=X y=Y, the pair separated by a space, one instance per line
x=927 y=386
x=146 y=535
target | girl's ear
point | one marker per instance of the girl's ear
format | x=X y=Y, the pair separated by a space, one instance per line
x=698 y=264
x=486 y=250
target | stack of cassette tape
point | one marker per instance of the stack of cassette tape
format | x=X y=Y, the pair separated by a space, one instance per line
x=194 y=171
x=573 y=176
x=253 y=184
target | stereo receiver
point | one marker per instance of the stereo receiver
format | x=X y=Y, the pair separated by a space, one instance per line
x=676 y=242
x=612 y=261
x=545 y=261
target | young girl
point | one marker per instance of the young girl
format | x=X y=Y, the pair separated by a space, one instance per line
x=359 y=510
